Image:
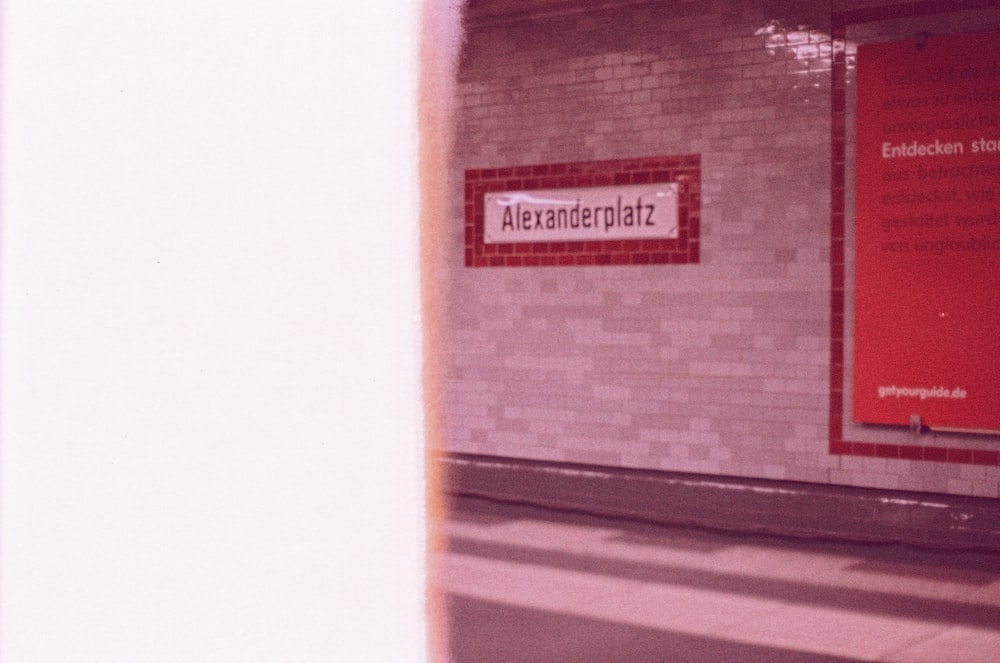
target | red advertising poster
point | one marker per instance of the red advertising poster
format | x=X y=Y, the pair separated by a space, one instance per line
x=927 y=288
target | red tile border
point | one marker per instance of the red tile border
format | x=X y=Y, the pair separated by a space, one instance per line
x=915 y=452
x=838 y=142
x=903 y=10
x=684 y=169
x=985 y=457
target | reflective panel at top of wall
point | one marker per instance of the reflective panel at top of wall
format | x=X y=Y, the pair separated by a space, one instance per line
x=813 y=50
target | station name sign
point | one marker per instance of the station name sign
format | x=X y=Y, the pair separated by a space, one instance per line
x=636 y=211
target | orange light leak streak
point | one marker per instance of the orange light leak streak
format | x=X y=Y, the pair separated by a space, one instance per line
x=440 y=39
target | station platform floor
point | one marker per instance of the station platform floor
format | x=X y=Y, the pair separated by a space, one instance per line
x=521 y=584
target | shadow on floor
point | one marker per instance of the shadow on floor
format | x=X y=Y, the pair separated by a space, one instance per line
x=538 y=636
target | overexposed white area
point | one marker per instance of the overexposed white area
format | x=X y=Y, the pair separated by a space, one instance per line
x=211 y=445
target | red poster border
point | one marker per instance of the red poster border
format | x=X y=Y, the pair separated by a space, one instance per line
x=838 y=445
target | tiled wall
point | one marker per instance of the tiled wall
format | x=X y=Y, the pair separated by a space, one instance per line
x=719 y=367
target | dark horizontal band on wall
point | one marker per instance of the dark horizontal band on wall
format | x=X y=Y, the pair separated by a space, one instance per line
x=730 y=503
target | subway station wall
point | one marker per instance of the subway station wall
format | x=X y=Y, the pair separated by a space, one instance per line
x=721 y=366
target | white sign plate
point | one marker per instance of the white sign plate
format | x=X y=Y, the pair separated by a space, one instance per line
x=635 y=211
